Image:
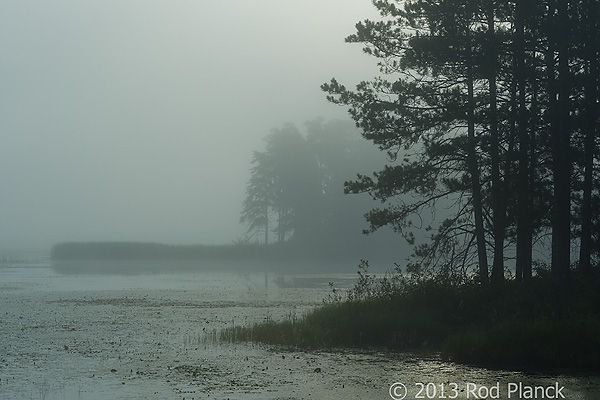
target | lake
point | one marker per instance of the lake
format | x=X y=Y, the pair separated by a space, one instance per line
x=154 y=336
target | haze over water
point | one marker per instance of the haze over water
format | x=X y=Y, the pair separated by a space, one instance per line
x=154 y=336
x=136 y=121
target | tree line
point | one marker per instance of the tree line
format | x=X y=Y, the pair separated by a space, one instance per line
x=491 y=110
x=150 y=251
x=295 y=192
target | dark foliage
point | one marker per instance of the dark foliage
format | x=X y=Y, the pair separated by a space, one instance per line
x=519 y=327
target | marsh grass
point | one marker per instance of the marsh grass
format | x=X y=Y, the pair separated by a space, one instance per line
x=518 y=325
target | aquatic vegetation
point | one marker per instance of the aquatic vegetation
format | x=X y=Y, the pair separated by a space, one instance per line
x=517 y=325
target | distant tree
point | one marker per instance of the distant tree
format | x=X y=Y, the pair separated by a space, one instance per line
x=283 y=186
x=340 y=152
x=259 y=197
x=296 y=189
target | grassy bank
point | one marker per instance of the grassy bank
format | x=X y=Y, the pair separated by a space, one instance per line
x=516 y=326
x=153 y=251
x=285 y=256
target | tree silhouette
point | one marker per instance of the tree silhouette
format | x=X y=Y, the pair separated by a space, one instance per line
x=478 y=100
x=296 y=189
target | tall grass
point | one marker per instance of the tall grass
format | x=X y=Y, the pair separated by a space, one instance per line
x=518 y=325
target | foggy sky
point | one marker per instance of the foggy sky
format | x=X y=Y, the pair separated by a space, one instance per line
x=136 y=120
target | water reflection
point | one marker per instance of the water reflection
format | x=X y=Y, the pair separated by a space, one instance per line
x=154 y=335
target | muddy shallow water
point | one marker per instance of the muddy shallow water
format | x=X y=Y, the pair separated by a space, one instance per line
x=152 y=336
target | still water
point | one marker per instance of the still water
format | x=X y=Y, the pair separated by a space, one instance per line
x=153 y=336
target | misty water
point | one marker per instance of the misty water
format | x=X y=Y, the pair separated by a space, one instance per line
x=154 y=336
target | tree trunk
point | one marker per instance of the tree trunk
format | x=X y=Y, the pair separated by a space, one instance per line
x=266 y=224
x=590 y=126
x=524 y=242
x=474 y=169
x=498 y=200
x=528 y=240
x=561 y=164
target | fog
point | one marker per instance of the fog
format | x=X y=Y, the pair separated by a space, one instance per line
x=136 y=120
